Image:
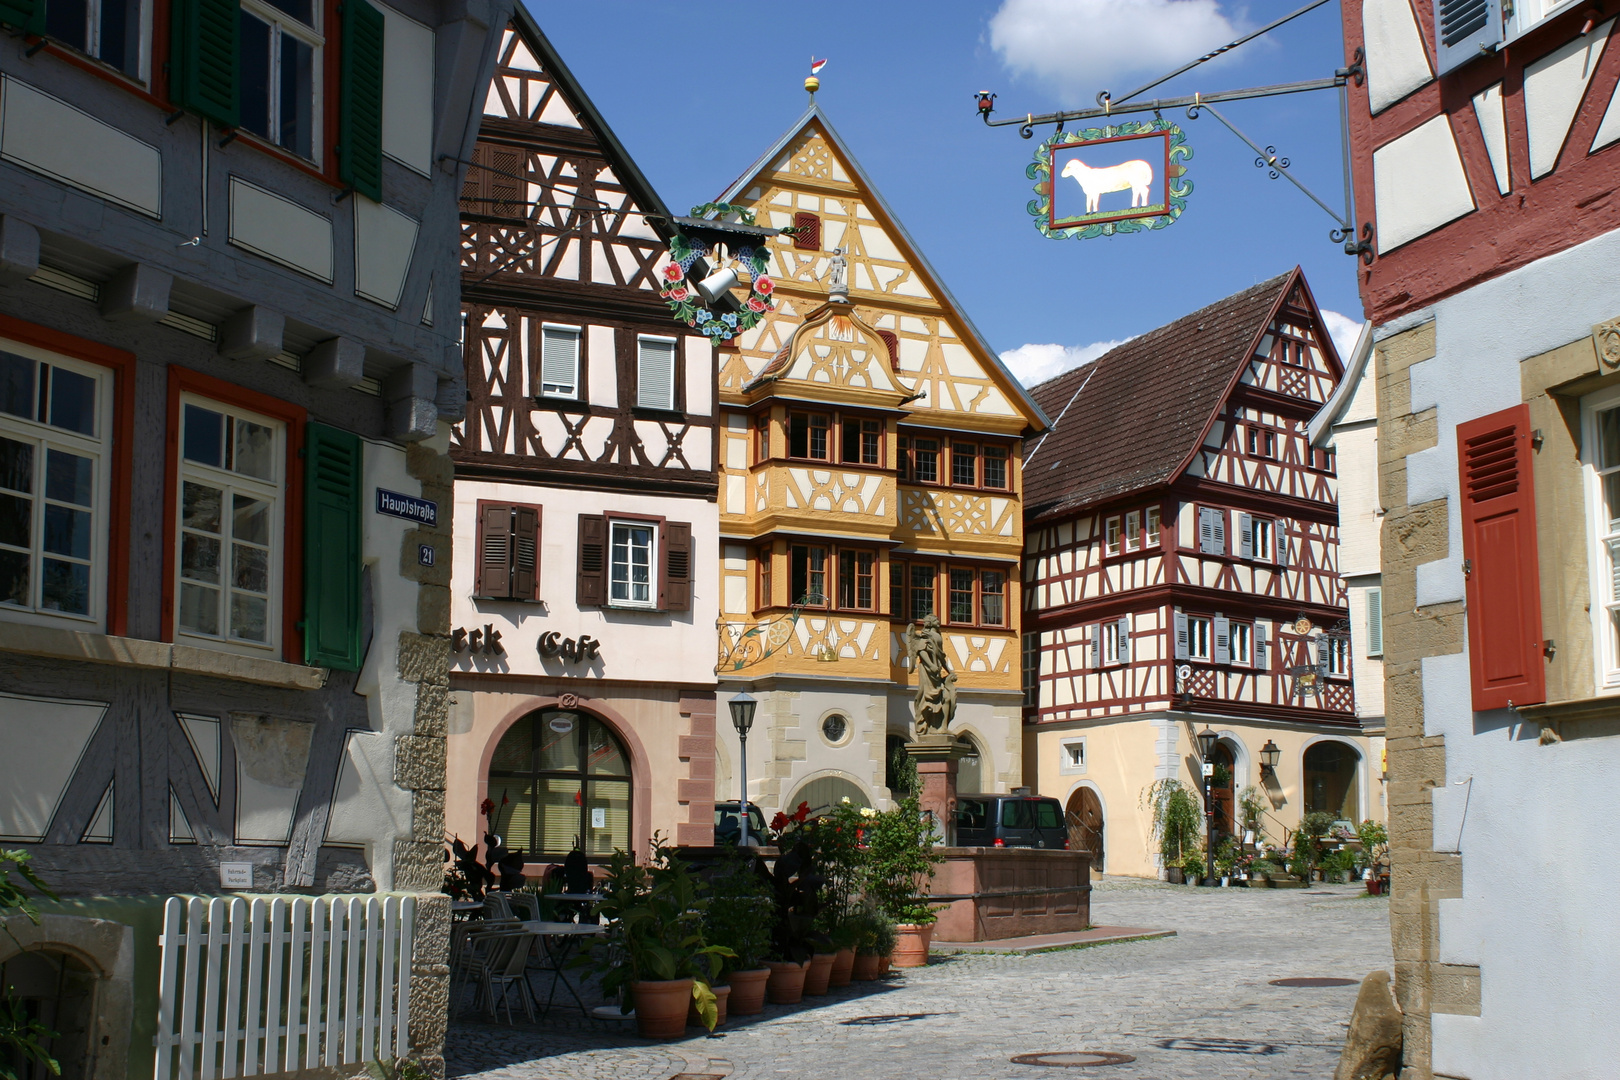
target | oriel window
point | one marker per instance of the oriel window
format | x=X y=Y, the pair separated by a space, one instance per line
x=964 y=464
x=995 y=467
x=992 y=598
x=807 y=436
x=925 y=461
x=863 y=442
x=809 y=575
x=922 y=590
x=855 y=590
x=961 y=598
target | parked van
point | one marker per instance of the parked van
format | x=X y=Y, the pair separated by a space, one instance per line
x=990 y=820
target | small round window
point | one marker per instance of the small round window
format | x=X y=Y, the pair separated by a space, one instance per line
x=834 y=728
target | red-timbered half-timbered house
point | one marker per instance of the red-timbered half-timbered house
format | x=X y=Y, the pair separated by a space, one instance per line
x=1181 y=572
x=582 y=617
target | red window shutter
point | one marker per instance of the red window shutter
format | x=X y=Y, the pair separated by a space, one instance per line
x=807 y=232
x=892 y=340
x=1502 y=574
x=675 y=586
x=526 y=553
x=494 y=573
x=590 y=583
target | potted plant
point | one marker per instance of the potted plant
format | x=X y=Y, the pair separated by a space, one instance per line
x=900 y=862
x=739 y=918
x=1226 y=859
x=654 y=957
x=1176 y=823
x=1374 y=856
x=836 y=839
x=875 y=939
x=796 y=886
x=1251 y=812
x=1193 y=867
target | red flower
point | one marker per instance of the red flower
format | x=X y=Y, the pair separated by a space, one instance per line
x=576 y=798
x=680 y=292
x=486 y=806
x=504 y=799
x=801 y=813
x=764 y=285
x=755 y=304
x=779 y=822
x=672 y=272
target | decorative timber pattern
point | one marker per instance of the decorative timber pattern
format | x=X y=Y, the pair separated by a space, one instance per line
x=1214 y=584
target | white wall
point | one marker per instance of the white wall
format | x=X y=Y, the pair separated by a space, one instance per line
x=638 y=646
x=1537 y=910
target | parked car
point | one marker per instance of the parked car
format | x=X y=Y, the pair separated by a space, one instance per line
x=991 y=820
x=728 y=823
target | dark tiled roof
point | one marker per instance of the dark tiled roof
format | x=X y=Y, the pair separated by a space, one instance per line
x=1145 y=405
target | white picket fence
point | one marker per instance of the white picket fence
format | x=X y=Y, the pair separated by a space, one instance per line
x=268 y=985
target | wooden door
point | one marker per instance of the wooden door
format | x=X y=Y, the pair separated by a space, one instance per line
x=1085 y=818
x=1222 y=794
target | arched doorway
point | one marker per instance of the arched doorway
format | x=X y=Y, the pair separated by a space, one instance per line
x=1222 y=787
x=823 y=794
x=1330 y=780
x=560 y=778
x=969 y=770
x=57 y=991
x=1085 y=818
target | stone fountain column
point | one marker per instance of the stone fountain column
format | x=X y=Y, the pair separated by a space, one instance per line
x=936 y=758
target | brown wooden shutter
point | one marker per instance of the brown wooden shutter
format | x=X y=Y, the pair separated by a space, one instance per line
x=590 y=583
x=892 y=340
x=807 y=231
x=526 y=553
x=675 y=586
x=1500 y=568
x=494 y=573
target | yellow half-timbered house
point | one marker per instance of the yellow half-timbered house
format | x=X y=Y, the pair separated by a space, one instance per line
x=870 y=452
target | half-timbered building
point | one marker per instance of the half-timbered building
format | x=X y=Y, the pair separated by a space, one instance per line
x=1486 y=151
x=229 y=362
x=1181 y=572
x=584 y=598
x=870 y=453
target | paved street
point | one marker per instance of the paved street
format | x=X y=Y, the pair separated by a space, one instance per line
x=1196 y=1005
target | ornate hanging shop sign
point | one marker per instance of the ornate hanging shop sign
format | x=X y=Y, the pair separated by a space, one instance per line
x=1122 y=178
x=701 y=304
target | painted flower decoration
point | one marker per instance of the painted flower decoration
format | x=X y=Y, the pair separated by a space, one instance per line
x=764 y=285
x=755 y=304
x=672 y=272
x=679 y=292
x=729 y=318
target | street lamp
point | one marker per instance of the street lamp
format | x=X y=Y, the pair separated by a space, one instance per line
x=1207 y=741
x=742 y=718
x=1269 y=756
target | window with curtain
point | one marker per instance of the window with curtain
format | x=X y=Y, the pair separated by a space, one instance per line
x=560 y=777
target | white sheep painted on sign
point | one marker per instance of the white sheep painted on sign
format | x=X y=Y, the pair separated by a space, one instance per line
x=1136 y=175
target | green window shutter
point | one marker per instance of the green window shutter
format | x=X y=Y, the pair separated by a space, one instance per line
x=204 y=60
x=26 y=15
x=332 y=461
x=360 y=148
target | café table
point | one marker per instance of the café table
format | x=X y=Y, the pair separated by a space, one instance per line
x=558 y=942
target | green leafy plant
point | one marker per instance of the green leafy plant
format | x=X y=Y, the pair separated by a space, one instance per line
x=900 y=775
x=1176 y=819
x=740 y=912
x=1193 y=864
x=1374 y=846
x=22 y=1038
x=1221 y=776
x=874 y=931
x=1342 y=861
x=900 y=861
x=837 y=839
x=399 y=1069
x=1251 y=812
x=1226 y=855
x=656 y=917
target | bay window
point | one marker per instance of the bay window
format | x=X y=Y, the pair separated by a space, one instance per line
x=922 y=590
x=995 y=467
x=964 y=465
x=863 y=441
x=855 y=580
x=807 y=565
x=232 y=489
x=807 y=436
x=55 y=450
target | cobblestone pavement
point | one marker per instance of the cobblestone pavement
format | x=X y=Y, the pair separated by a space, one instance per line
x=1200 y=1004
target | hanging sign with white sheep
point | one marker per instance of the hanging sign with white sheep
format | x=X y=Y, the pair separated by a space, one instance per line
x=1118 y=179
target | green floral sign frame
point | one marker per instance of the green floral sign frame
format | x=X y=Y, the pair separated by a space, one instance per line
x=687 y=305
x=1176 y=186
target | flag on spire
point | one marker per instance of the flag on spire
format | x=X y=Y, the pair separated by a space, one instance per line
x=816 y=65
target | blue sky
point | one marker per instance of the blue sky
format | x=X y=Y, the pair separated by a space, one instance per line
x=697 y=90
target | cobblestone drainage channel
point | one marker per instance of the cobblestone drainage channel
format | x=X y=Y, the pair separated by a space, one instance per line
x=1313 y=982
x=1073 y=1059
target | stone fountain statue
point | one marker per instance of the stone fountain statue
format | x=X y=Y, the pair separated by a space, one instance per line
x=935 y=703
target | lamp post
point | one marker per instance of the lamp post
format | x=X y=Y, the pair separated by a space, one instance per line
x=1207 y=740
x=742 y=718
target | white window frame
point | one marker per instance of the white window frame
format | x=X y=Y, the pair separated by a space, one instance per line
x=651 y=603
x=99 y=449
x=1240 y=644
x=1108 y=642
x=1522 y=21
x=1067 y=766
x=1113 y=538
x=232 y=483
x=572 y=393
x=311 y=35
x=643 y=340
x=1201 y=634
x=1338 y=657
x=1030 y=667
x=1150 y=527
x=1262 y=541
x=1601 y=534
x=1133 y=531
x=142 y=44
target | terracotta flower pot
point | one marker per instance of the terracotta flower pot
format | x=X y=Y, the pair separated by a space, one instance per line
x=721 y=993
x=883 y=966
x=661 y=1007
x=815 y=980
x=866 y=968
x=747 y=992
x=843 y=967
x=912 y=948
x=786 y=985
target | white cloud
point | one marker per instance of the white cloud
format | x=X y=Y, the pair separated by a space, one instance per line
x=1034 y=364
x=1078 y=47
x=1344 y=331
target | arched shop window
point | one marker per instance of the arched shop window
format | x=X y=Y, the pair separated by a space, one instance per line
x=1330 y=779
x=969 y=776
x=561 y=778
